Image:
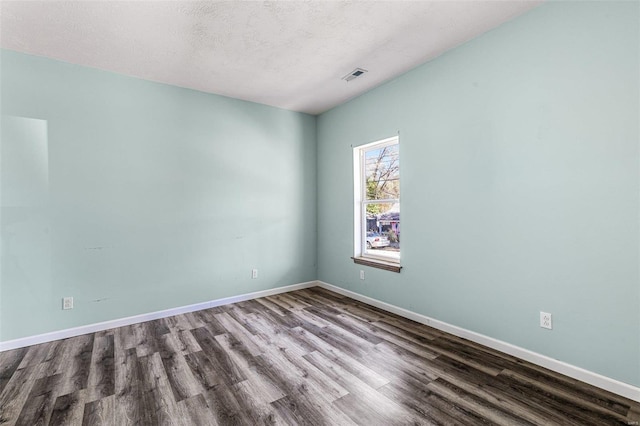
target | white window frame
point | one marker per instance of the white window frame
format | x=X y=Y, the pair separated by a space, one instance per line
x=359 y=208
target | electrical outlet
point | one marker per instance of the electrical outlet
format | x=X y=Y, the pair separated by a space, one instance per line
x=545 y=320
x=67 y=303
x=254 y=274
x=361 y=274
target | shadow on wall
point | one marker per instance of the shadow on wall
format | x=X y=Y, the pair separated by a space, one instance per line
x=25 y=250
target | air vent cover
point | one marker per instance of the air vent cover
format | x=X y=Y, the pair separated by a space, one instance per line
x=354 y=74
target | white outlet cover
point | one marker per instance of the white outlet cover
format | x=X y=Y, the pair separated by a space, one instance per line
x=67 y=303
x=546 y=320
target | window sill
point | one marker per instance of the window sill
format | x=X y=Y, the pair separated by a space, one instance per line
x=376 y=263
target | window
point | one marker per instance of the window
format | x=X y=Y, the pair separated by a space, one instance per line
x=377 y=204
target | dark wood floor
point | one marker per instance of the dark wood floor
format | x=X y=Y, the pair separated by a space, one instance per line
x=308 y=357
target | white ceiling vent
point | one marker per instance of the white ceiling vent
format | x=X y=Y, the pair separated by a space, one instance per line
x=354 y=74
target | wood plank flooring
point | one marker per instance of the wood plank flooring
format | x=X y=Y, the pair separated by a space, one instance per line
x=309 y=357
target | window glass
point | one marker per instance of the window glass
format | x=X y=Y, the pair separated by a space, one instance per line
x=377 y=191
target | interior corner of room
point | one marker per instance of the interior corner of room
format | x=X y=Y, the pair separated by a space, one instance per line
x=520 y=194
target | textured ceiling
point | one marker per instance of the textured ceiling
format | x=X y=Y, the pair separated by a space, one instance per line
x=289 y=54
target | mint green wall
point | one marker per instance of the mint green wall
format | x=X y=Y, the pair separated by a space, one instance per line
x=155 y=196
x=520 y=190
x=520 y=185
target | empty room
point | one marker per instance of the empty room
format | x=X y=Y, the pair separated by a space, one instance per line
x=201 y=204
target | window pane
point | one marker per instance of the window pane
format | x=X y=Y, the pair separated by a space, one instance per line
x=377 y=193
x=383 y=229
x=382 y=173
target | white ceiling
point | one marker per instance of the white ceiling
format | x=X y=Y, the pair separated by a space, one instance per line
x=288 y=54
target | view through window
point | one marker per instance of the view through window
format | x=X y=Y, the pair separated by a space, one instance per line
x=378 y=191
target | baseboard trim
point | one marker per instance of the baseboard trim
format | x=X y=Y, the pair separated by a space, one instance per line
x=595 y=379
x=120 y=322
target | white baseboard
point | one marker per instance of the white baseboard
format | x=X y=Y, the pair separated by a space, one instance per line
x=595 y=379
x=92 y=328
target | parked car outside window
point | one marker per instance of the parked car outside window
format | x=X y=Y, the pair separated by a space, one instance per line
x=376 y=240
